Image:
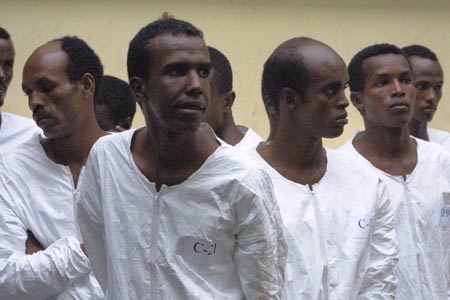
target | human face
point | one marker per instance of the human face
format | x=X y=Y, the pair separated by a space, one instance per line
x=54 y=100
x=215 y=113
x=177 y=89
x=324 y=106
x=428 y=79
x=388 y=96
x=6 y=66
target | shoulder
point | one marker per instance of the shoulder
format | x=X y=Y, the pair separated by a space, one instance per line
x=113 y=143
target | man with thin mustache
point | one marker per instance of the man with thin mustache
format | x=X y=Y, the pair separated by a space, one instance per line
x=14 y=129
x=41 y=252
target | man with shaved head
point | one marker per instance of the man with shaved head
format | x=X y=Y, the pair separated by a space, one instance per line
x=14 y=129
x=41 y=252
x=337 y=218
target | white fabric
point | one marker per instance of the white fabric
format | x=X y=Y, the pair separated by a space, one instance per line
x=250 y=140
x=340 y=234
x=217 y=235
x=439 y=137
x=422 y=232
x=15 y=130
x=37 y=194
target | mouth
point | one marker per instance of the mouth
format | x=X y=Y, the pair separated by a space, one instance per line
x=41 y=118
x=190 y=106
x=400 y=106
x=429 y=109
x=342 y=119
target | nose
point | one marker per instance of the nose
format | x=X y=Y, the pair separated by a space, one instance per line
x=397 y=89
x=194 y=87
x=432 y=97
x=34 y=100
x=343 y=101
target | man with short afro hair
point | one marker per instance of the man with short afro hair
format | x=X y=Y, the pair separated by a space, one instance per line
x=219 y=115
x=428 y=79
x=179 y=214
x=115 y=105
x=416 y=172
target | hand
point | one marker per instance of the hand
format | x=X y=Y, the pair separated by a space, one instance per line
x=83 y=248
x=32 y=245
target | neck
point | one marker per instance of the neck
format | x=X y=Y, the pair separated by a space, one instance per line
x=229 y=132
x=419 y=129
x=296 y=155
x=383 y=141
x=74 y=148
x=172 y=150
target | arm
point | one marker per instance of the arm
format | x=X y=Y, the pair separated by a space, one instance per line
x=380 y=281
x=261 y=249
x=90 y=219
x=40 y=275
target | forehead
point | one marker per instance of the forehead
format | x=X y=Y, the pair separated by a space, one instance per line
x=385 y=64
x=167 y=48
x=425 y=67
x=6 y=49
x=48 y=60
x=324 y=65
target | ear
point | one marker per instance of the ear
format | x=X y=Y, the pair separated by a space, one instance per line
x=269 y=105
x=138 y=87
x=88 y=83
x=228 y=101
x=356 y=98
x=289 y=97
x=126 y=123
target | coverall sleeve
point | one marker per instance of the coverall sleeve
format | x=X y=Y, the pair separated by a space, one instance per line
x=380 y=281
x=90 y=219
x=261 y=248
x=40 y=275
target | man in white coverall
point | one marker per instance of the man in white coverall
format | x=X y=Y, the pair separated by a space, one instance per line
x=41 y=255
x=166 y=211
x=14 y=129
x=428 y=79
x=338 y=219
x=219 y=115
x=417 y=172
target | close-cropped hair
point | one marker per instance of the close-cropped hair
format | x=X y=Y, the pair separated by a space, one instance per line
x=420 y=51
x=82 y=60
x=355 y=67
x=4 y=34
x=223 y=74
x=284 y=68
x=138 y=58
x=116 y=94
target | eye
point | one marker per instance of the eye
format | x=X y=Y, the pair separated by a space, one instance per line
x=204 y=72
x=8 y=65
x=174 y=72
x=331 y=91
x=438 y=87
x=406 y=80
x=381 y=82
x=422 y=86
x=47 y=88
x=346 y=86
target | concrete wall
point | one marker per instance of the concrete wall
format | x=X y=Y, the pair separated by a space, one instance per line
x=246 y=31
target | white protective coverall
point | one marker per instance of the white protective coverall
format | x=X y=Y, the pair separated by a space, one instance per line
x=439 y=137
x=422 y=214
x=217 y=235
x=340 y=233
x=250 y=140
x=15 y=130
x=37 y=194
